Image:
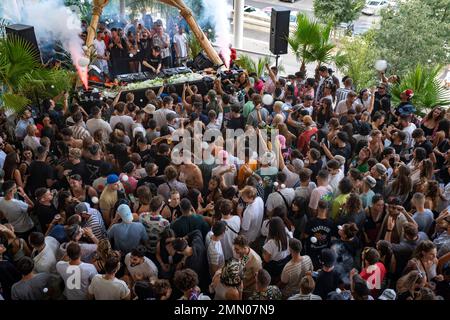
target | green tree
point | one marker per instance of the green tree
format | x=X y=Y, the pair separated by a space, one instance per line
x=338 y=11
x=310 y=41
x=23 y=78
x=356 y=58
x=417 y=32
x=428 y=89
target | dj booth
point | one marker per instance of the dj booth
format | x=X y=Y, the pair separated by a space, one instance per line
x=90 y=99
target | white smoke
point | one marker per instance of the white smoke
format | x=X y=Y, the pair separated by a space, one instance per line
x=217 y=12
x=52 y=21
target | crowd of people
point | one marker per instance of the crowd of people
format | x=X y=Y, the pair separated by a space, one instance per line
x=348 y=202
x=141 y=45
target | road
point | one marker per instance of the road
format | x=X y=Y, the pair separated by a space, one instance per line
x=257 y=39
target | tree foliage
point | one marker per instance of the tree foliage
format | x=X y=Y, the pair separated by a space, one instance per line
x=417 y=32
x=338 y=11
x=428 y=89
x=310 y=41
x=355 y=58
x=24 y=78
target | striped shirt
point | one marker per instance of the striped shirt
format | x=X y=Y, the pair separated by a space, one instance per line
x=95 y=222
x=79 y=132
x=341 y=94
x=292 y=274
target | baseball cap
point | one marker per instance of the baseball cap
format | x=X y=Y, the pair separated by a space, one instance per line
x=124 y=212
x=82 y=207
x=381 y=169
x=112 y=178
x=409 y=93
x=388 y=294
x=340 y=159
x=371 y=182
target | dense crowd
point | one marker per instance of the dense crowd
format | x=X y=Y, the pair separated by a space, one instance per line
x=344 y=196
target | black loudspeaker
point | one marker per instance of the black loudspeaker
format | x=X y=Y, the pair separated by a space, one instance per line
x=279 y=31
x=201 y=62
x=27 y=33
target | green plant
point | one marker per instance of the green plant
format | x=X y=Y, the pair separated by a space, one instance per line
x=194 y=46
x=355 y=58
x=23 y=78
x=338 y=11
x=310 y=42
x=259 y=66
x=428 y=90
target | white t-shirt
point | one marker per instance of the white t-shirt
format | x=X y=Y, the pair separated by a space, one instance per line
x=252 y=219
x=228 y=237
x=276 y=253
x=215 y=253
x=333 y=181
x=408 y=131
x=104 y=289
x=292 y=178
x=45 y=261
x=100 y=47
x=265 y=229
x=319 y=193
x=147 y=269
x=96 y=124
x=126 y=120
x=84 y=273
x=16 y=213
x=180 y=40
x=342 y=107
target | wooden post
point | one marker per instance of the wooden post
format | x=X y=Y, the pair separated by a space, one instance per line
x=92 y=29
x=204 y=42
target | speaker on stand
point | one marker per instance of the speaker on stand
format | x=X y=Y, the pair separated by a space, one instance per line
x=279 y=32
x=27 y=33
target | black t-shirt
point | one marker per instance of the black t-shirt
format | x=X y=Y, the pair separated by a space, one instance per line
x=157 y=181
x=426 y=145
x=116 y=52
x=398 y=148
x=322 y=230
x=378 y=106
x=327 y=282
x=153 y=60
x=379 y=187
x=236 y=123
x=45 y=215
x=162 y=162
x=198 y=261
x=93 y=168
x=345 y=151
x=8 y=276
x=79 y=168
x=315 y=168
x=39 y=171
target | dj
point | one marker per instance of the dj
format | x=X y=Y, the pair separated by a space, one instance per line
x=152 y=61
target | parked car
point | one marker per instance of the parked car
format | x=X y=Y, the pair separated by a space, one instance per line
x=374 y=7
x=252 y=11
x=291 y=1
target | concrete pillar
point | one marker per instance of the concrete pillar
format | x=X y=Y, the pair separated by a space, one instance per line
x=238 y=23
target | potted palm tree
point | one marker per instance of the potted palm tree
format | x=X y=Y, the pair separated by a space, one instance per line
x=24 y=79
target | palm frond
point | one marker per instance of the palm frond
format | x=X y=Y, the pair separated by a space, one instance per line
x=246 y=62
x=15 y=102
x=428 y=90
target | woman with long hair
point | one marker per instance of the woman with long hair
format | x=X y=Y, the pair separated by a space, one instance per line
x=387 y=257
x=11 y=168
x=166 y=256
x=434 y=199
x=431 y=121
x=323 y=113
x=26 y=159
x=281 y=213
x=401 y=185
x=425 y=261
x=214 y=191
x=441 y=142
x=276 y=249
x=409 y=285
x=299 y=217
x=376 y=145
x=360 y=162
x=374 y=218
x=103 y=253
x=80 y=191
x=347 y=247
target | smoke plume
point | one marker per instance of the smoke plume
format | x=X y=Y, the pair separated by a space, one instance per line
x=52 y=22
